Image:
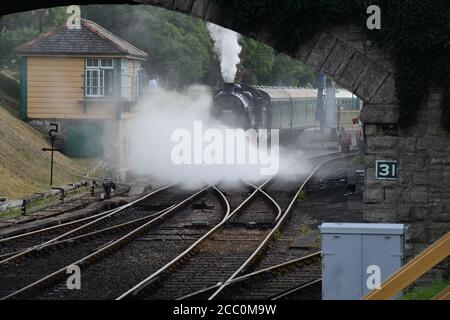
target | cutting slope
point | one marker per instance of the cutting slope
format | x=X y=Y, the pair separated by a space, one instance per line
x=24 y=167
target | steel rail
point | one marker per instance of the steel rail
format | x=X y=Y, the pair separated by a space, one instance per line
x=272 y=200
x=225 y=201
x=107 y=248
x=302 y=260
x=143 y=284
x=18 y=235
x=271 y=234
x=74 y=231
x=47 y=229
x=94 y=233
x=146 y=282
x=15 y=237
x=296 y=289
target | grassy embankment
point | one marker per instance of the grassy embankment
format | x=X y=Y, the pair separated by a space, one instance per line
x=24 y=167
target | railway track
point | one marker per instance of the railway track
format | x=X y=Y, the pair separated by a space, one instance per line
x=289 y=280
x=17 y=247
x=199 y=253
x=88 y=235
x=103 y=269
x=276 y=250
x=13 y=245
x=225 y=252
x=71 y=203
x=214 y=251
x=20 y=275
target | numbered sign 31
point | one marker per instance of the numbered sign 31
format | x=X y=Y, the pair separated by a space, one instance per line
x=387 y=170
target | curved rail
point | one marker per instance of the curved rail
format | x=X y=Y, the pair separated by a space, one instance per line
x=185 y=253
x=272 y=200
x=225 y=200
x=143 y=284
x=107 y=248
x=146 y=282
x=271 y=234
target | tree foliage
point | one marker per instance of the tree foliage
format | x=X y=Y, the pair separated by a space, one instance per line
x=19 y=28
x=262 y=65
x=179 y=47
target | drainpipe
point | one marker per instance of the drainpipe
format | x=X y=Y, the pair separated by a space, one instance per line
x=319 y=110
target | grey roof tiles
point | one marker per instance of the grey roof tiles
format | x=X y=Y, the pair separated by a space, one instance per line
x=91 y=39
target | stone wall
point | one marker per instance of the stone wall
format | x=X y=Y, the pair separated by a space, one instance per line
x=420 y=198
x=425 y=166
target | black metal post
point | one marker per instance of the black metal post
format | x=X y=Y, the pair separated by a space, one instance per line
x=51 y=163
x=53 y=136
x=23 y=209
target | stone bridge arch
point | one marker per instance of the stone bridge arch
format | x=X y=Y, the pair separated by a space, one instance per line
x=343 y=53
x=419 y=198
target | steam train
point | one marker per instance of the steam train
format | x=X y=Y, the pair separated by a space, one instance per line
x=290 y=110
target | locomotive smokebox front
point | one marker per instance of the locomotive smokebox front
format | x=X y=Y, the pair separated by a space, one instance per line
x=230 y=106
x=228 y=87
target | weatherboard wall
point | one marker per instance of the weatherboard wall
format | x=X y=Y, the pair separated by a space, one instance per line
x=55 y=90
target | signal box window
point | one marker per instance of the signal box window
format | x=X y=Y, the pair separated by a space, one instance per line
x=99 y=78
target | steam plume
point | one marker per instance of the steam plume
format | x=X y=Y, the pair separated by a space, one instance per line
x=226 y=45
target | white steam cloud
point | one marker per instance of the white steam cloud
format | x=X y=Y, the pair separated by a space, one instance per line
x=226 y=45
x=151 y=146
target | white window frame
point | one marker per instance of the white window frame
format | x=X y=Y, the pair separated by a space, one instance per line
x=98 y=66
x=137 y=84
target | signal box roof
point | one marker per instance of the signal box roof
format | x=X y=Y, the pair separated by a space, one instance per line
x=90 y=39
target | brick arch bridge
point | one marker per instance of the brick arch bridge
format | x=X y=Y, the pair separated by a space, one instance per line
x=419 y=196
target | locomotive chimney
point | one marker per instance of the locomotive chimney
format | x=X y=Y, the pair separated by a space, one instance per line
x=228 y=87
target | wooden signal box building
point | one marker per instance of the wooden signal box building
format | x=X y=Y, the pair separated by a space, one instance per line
x=87 y=80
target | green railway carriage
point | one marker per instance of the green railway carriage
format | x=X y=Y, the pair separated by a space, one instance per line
x=295 y=108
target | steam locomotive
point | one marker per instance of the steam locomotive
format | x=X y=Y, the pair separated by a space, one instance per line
x=290 y=110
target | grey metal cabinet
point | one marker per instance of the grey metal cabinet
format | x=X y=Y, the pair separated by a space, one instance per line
x=350 y=252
